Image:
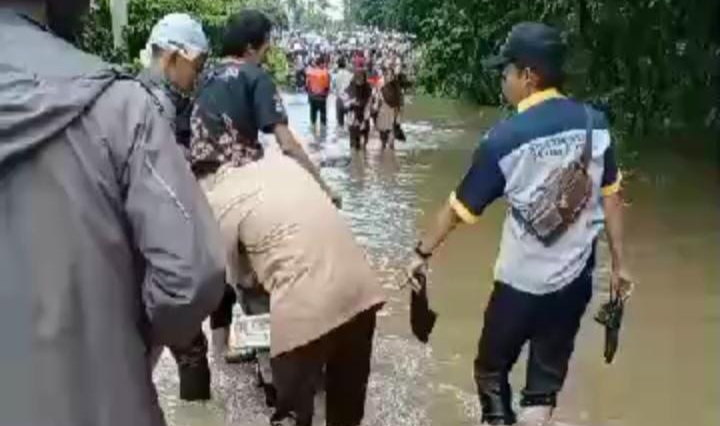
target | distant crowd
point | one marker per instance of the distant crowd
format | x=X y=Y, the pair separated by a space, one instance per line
x=367 y=71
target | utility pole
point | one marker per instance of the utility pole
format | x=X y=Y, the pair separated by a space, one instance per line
x=118 y=9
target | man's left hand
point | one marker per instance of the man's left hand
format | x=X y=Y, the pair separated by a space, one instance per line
x=336 y=199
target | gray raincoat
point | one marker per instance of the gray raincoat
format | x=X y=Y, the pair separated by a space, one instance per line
x=107 y=245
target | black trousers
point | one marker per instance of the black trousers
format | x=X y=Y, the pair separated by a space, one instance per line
x=192 y=360
x=358 y=136
x=318 y=105
x=549 y=323
x=300 y=79
x=385 y=139
x=340 y=112
x=193 y=369
x=345 y=355
x=222 y=316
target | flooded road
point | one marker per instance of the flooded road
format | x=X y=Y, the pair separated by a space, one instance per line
x=666 y=373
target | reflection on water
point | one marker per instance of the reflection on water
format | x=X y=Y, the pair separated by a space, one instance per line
x=397 y=392
x=666 y=372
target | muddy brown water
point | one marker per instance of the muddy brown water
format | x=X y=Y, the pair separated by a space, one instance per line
x=667 y=371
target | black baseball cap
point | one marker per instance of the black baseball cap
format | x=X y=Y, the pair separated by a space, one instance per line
x=532 y=44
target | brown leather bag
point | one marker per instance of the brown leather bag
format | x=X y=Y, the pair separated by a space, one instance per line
x=564 y=195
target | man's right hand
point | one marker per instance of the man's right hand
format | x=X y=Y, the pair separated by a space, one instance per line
x=417 y=266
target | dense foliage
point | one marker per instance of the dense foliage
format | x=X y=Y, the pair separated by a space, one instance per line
x=653 y=63
x=143 y=14
x=310 y=14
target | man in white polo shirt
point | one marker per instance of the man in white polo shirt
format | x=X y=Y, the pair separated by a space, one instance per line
x=543 y=274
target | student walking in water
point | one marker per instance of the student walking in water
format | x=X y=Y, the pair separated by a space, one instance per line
x=318 y=88
x=358 y=99
x=341 y=80
x=389 y=99
x=559 y=202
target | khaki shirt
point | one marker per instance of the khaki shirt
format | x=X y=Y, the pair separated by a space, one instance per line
x=297 y=243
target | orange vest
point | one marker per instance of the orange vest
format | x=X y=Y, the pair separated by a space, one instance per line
x=375 y=80
x=318 y=81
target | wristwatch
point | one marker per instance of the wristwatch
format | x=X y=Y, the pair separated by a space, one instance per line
x=421 y=254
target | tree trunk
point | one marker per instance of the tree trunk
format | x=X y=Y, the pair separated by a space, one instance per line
x=118 y=9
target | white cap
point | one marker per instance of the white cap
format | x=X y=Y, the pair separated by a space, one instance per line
x=180 y=32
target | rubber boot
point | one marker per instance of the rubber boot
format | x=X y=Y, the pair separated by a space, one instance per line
x=539 y=415
x=495 y=399
x=193 y=369
x=195 y=382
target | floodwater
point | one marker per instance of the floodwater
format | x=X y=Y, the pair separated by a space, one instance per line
x=666 y=372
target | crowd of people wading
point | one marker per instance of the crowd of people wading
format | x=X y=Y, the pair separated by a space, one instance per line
x=367 y=71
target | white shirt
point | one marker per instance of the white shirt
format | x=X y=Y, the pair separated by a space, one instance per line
x=340 y=81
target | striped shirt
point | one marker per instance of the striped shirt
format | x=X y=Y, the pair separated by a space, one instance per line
x=512 y=161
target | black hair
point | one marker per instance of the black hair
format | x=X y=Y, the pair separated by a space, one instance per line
x=341 y=62
x=548 y=76
x=245 y=30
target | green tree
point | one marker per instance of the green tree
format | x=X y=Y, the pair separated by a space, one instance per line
x=144 y=14
x=651 y=63
x=97 y=36
x=310 y=14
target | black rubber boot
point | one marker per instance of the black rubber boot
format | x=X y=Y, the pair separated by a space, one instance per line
x=496 y=402
x=264 y=378
x=195 y=381
x=194 y=370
